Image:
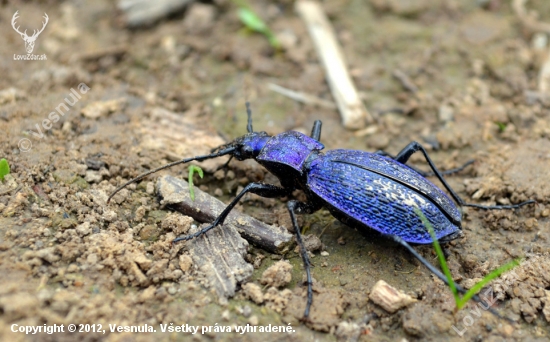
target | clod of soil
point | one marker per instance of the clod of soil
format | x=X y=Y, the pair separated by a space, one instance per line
x=277 y=275
x=254 y=292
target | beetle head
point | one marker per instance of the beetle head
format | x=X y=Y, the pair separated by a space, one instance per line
x=249 y=145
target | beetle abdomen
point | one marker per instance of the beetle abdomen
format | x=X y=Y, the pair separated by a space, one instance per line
x=347 y=184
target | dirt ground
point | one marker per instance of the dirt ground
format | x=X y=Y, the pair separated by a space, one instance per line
x=467 y=87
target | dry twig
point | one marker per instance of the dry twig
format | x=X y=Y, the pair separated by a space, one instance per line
x=302 y=97
x=529 y=19
x=353 y=112
x=205 y=208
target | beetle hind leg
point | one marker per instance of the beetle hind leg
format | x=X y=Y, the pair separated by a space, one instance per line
x=448 y=172
x=429 y=173
x=403 y=156
x=498 y=207
x=438 y=274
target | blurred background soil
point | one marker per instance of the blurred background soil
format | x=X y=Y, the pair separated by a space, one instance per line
x=464 y=78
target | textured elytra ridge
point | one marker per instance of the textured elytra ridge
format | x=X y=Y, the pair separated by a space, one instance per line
x=378 y=201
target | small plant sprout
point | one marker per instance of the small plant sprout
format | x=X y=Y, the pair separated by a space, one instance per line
x=254 y=23
x=192 y=170
x=501 y=126
x=461 y=302
x=4 y=168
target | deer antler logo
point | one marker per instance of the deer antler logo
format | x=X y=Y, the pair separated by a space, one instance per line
x=29 y=41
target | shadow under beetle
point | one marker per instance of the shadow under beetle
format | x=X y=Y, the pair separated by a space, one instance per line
x=361 y=189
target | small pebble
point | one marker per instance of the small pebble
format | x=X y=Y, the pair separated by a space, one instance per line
x=507 y=330
x=388 y=297
x=247 y=311
x=325 y=253
x=150 y=188
x=92 y=258
x=253 y=320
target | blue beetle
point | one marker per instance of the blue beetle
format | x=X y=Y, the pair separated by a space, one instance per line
x=361 y=189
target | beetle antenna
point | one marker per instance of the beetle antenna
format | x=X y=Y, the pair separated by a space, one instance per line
x=219 y=153
x=249 y=113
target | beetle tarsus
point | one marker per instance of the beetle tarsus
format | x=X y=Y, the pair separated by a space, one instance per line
x=194 y=235
x=498 y=207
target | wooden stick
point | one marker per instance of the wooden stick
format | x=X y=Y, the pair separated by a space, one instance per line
x=528 y=19
x=205 y=208
x=544 y=76
x=353 y=112
x=220 y=255
x=301 y=97
x=144 y=12
x=405 y=81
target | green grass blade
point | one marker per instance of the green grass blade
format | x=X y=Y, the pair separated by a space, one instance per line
x=460 y=302
x=192 y=170
x=4 y=168
x=440 y=255
x=477 y=287
x=252 y=21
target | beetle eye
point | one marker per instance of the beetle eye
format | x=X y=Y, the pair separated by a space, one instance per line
x=247 y=149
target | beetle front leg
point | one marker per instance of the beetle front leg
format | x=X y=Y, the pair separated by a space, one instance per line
x=413 y=147
x=264 y=190
x=295 y=207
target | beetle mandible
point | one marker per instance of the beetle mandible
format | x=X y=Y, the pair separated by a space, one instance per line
x=361 y=189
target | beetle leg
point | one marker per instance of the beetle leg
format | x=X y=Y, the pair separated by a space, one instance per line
x=427 y=173
x=447 y=172
x=498 y=207
x=413 y=147
x=438 y=274
x=295 y=207
x=316 y=130
x=249 y=128
x=264 y=190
